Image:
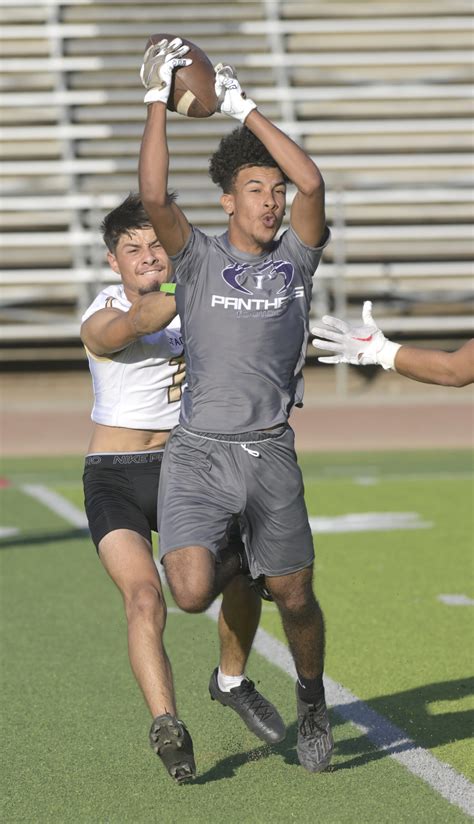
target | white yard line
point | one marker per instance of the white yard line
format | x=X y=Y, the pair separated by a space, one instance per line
x=456 y=600
x=8 y=531
x=452 y=786
x=59 y=505
x=368 y=522
x=370 y=475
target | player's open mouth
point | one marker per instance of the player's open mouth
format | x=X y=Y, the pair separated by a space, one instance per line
x=269 y=220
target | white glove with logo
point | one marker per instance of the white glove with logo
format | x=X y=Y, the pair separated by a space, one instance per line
x=359 y=345
x=159 y=62
x=231 y=100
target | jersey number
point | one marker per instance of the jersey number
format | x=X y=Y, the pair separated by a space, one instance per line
x=175 y=391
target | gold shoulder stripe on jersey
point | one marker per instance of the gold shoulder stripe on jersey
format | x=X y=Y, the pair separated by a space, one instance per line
x=100 y=359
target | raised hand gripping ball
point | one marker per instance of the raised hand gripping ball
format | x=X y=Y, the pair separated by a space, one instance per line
x=192 y=89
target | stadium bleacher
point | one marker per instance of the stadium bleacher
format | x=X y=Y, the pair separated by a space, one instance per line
x=380 y=93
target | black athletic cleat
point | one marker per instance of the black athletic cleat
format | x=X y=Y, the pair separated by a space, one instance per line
x=261 y=717
x=170 y=740
x=315 y=743
x=259 y=585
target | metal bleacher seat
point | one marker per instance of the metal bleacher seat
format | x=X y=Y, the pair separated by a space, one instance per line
x=379 y=93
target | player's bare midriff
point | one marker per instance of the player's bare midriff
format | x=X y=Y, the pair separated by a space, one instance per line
x=120 y=439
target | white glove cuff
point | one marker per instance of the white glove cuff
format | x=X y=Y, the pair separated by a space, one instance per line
x=386 y=356
x=157 y=95
x=247 y=107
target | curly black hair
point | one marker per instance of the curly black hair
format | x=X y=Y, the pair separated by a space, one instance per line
x=238 y=149
x=125 y=218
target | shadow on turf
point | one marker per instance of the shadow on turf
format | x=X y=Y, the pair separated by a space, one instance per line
x=34 y=539
x=227 y=768
x=408 y=711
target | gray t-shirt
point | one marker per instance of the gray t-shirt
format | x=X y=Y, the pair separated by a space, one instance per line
x=245 y=328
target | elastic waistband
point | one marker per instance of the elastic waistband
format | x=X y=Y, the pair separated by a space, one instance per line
x=124 y=459
x=241 y=437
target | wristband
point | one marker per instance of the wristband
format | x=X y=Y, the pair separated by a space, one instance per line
x=248 y=106
x=168 y=288
x=386 y=356
x=157 y=96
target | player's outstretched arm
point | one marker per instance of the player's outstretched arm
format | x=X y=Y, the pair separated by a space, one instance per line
x=360 y=345
x=308 y=216
x=436 y=366
x=110 y=330
x=366 y=344
x=307 y=212
x=170 y=224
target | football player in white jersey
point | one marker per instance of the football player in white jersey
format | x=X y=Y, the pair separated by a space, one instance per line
x=133 y=343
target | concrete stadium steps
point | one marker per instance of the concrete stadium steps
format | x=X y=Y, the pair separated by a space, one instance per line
x=362 y=243
x=362 y=137
x=408 y=35
x=348 y=9
x=349 y=171
x=379 y=93
x=399 y=207
x=153 y=12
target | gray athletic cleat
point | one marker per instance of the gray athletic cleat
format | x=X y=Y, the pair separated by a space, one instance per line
x=260 y=716
x=315 y=743
x=171 y=741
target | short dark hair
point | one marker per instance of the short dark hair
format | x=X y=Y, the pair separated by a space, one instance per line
x=236 y=150
x=122 y=220
x=125 y=218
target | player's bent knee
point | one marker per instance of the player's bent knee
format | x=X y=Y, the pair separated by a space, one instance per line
x=190 y=574
x=191 y=599
x=145 y=602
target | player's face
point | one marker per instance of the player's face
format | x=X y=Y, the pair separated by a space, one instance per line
x=141 y=262
x=255 y=207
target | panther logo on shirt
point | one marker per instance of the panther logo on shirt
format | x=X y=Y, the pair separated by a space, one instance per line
x=259 y=280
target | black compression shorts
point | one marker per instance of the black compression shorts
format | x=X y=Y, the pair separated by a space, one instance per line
x=120 y=492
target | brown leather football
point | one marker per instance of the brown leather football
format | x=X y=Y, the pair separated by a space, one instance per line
x=192 y=90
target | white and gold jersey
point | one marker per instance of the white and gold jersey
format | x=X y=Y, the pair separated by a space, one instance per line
x=140 y=386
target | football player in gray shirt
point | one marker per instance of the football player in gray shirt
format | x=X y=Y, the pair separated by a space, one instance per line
x=244 y=300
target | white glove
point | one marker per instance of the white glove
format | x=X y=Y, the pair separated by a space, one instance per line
x=159 y=62
x=231 y=100
x=359 y=345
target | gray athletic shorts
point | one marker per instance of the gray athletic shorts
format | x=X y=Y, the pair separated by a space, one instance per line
x=208 y=478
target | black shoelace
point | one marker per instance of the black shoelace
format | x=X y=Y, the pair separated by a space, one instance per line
x=253 y=700
x=313 y=720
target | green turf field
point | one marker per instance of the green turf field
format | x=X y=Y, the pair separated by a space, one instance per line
x=74 y=725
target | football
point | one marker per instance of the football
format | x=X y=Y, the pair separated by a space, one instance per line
x=192 y=90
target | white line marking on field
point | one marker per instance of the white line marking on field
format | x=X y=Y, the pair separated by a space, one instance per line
x=454 y=787
x=372 y=473
x=8 y=531
x=58 y=504
x=369 y=522
x=430 y=476
x=456 y=600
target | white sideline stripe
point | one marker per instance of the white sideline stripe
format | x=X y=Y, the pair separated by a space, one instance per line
x=454 y=787
x=58 y=504
x=456 y=600
x=368 y=522
x=352 y=522
x=8 y=531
